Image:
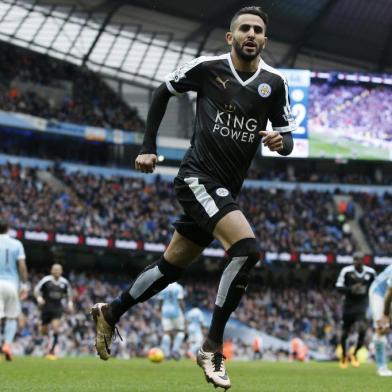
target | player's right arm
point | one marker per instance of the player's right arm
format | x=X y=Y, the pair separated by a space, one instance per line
x=38 y=292
x=147 y=158
x=341 y=282
x=187 y=77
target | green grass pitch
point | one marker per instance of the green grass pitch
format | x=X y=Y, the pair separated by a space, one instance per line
x=139 y=375
x=323 y=146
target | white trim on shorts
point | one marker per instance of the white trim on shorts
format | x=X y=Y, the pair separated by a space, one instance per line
x=202 y=196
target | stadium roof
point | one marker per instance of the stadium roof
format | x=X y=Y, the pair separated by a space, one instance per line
x=142 y=40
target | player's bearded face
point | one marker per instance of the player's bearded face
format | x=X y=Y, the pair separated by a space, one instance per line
x=247 y=36
x=247 y=49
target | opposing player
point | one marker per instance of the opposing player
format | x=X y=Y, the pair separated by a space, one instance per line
x=237 y=93
x=13 y=285
x=354 y=281
x=196 y=322
x=380 y=298
x=51 y=291
x=173 y=319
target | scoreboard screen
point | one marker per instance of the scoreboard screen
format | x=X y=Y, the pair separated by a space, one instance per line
x=340 y=115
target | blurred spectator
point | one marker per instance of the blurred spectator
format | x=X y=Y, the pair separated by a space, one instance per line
x=129 y=208
x=92 y=102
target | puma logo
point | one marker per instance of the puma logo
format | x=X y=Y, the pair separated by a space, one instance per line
x=240 y=287
x=222 y=82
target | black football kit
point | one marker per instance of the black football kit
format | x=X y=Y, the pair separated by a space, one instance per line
x=53 y=292
x=355 y=285
x=230 y=112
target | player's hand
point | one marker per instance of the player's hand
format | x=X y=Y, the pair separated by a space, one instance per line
x=23 y=294
x=70 y=307
x=272 y=139
x=383 y=324
x=146 y=163
x=24 y=291
x=41 y=302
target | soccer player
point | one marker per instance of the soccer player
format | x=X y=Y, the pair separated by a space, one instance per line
x=354 y=281
x=50 y=293
x=196 y=322
x=173 y=319
x=237 y=93
x=380 y=298
x=13 y=285
x=257 y=347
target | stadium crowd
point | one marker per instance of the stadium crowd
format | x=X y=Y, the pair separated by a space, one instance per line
x=377 y=221
x=129 y=208
x=379 y=177
x=283 y=312
x=89 y=102
x=340 y=106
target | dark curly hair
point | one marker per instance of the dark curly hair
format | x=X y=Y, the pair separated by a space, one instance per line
x=250 y=10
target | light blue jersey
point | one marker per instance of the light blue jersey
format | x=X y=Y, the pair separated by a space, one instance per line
x=11 y=250
x=382 y=282
x=195 y=320
x=171 y=296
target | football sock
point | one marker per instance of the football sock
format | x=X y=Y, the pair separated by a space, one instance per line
x=360 y=341
x=343 y=342
x=379 y=345
x=148 y=283
x=244 y=254
x=54 y=343
x=178 y=341
x=10 y=328
x=166 y=343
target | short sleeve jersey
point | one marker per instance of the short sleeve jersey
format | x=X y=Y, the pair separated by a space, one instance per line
x=357 y=300
x=11 y=251
x=170 y=297
x=230 y=112
x=53 y=291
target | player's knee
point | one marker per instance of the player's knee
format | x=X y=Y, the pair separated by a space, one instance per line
x=171 y=272
x=247 y=251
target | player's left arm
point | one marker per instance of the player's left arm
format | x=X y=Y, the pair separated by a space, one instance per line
x=384 y=323
x=283 y=122
x=23 y=274
x=70 y=304
x=281 y=143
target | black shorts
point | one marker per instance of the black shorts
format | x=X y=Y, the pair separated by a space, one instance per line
x=350 y=319
x=205 y=202
x=48 y=315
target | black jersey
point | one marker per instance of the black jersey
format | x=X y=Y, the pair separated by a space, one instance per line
x=230 y=113
x=53 y=291
x=356 y=286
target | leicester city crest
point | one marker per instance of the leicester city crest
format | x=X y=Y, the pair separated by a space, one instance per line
x=264 y=90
